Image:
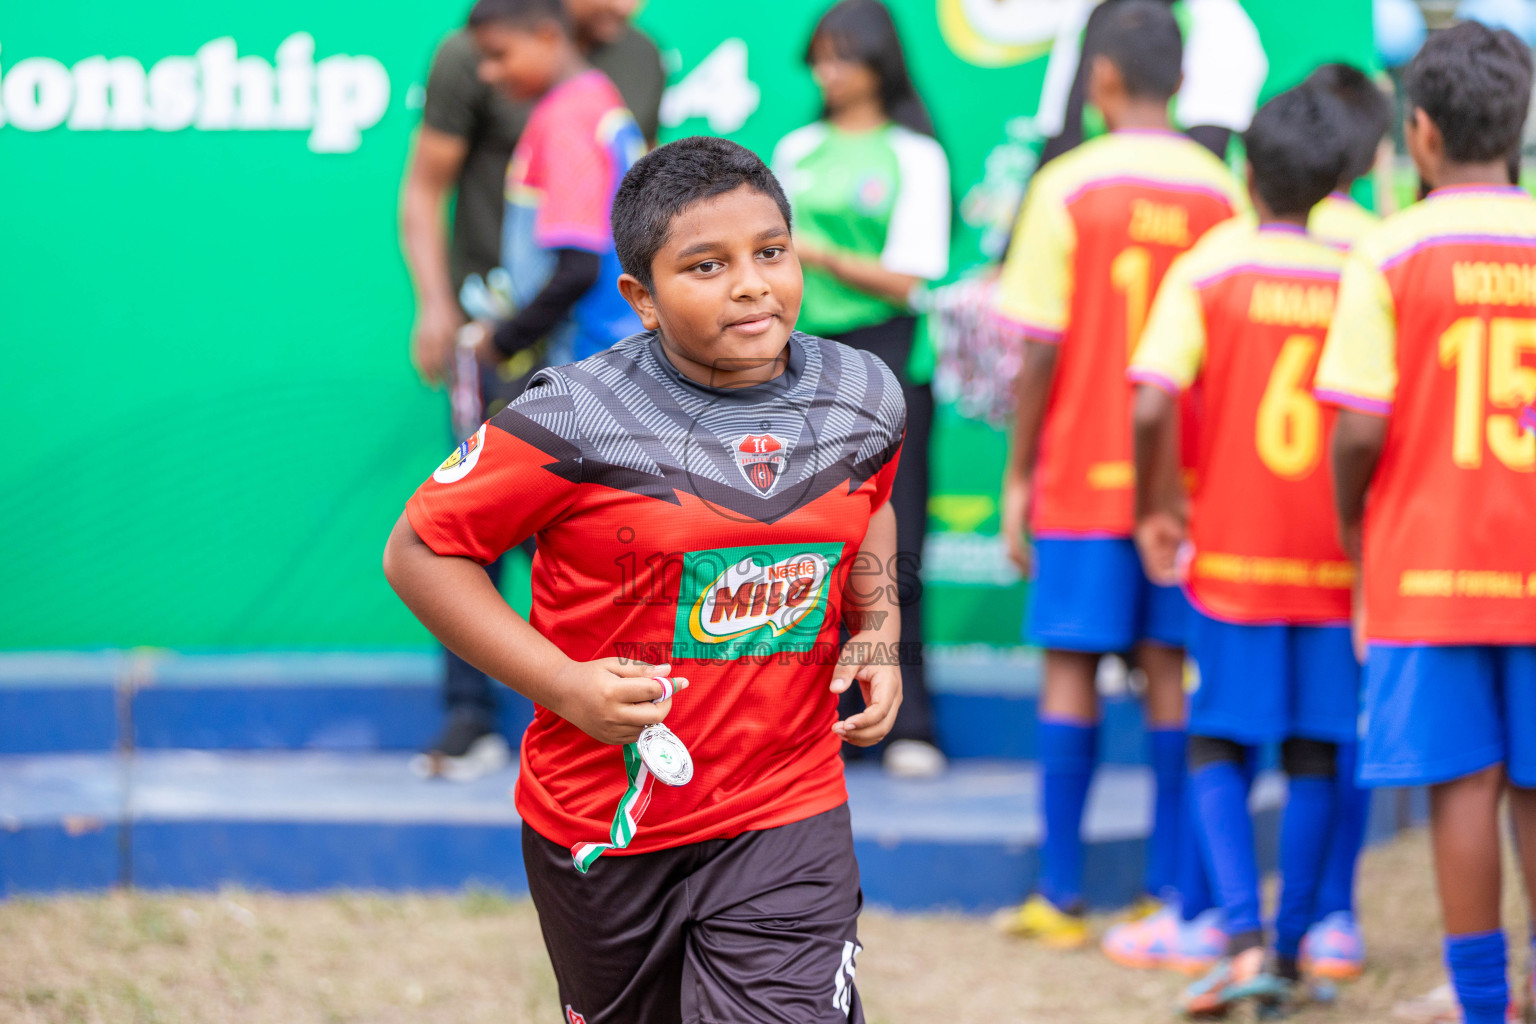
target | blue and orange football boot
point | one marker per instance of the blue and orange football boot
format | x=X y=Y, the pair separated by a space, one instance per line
x=1166 y=941
x=1333 y=948
x=1146 y=943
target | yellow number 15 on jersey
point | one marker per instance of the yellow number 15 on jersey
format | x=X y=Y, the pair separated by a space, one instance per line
x=1488 y=353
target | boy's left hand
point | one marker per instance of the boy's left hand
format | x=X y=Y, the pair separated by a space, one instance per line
x=881 y=683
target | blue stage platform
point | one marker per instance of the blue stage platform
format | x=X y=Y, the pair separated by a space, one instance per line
x=303 y=821
x=167 y=701
x=289 y=772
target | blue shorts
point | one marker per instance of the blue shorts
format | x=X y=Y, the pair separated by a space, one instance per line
x=1091 y=595
x=1259 y=684
x=1436 y=713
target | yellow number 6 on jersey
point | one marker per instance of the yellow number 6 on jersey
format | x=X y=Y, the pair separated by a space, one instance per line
x=1288 y=430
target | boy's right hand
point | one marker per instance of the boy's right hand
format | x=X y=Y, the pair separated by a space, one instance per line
x=612 y=699
x=1013 y=520
x=1159 y=536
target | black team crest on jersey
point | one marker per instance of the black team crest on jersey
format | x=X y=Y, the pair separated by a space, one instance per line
x=761 y=459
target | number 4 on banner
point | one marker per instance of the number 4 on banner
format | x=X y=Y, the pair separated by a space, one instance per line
x=717 y=89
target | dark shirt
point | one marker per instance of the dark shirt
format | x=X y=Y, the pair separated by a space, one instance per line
x=458 y=103
x=634 y=64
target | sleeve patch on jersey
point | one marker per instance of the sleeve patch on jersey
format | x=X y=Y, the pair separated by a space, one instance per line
x=457 y=466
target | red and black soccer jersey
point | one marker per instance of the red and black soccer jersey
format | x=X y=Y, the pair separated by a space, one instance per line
x=711 y=528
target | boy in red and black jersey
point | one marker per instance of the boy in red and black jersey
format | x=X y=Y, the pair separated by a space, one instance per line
x=709 y=495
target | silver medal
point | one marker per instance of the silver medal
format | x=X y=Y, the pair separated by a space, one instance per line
x=664 y=755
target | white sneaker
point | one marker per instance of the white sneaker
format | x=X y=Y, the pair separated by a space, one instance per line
x=490 y=753
x=914 y=759
x=1437 y=1006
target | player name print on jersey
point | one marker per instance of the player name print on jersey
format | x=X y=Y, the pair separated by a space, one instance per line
x=752 y=600
x=761 y=459
x=456 y=466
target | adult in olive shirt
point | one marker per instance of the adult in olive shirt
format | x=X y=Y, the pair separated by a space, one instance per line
x=870 y=188
x=466 y=138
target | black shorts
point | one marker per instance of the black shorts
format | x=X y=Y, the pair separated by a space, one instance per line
x=756 y=929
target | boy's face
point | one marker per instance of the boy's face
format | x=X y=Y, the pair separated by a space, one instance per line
x=522 y=61
x=726 y=286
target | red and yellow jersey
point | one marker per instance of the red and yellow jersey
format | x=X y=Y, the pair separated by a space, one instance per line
x=712 y=529
x=1243 y=315
x=1339 y=221
x=1436 y=330
x=1097 y=232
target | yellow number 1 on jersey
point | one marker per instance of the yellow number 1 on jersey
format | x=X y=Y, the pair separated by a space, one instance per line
x=1131 y=275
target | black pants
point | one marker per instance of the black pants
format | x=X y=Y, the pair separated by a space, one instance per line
x=892 y=342
x=758 y=929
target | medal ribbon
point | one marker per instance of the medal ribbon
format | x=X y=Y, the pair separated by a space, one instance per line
x=626 y=820
x=636 y=798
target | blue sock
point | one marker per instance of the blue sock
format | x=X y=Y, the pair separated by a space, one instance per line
x=1190 y=876
x=1066 y=768
x=1305 y=831
x=1477 y=963
x=1352 y=808
x=1168 y=770
x=1226 y=833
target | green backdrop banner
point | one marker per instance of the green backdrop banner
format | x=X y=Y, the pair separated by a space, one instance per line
x=209 y=418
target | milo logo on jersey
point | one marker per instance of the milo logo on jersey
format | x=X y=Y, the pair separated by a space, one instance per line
x=759 y=600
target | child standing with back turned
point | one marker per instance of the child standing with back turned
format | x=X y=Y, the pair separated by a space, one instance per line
x=1097 y=232
x=1430 y=359
x=1243 y=316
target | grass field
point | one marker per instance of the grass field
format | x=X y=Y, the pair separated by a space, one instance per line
x=266 y=959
